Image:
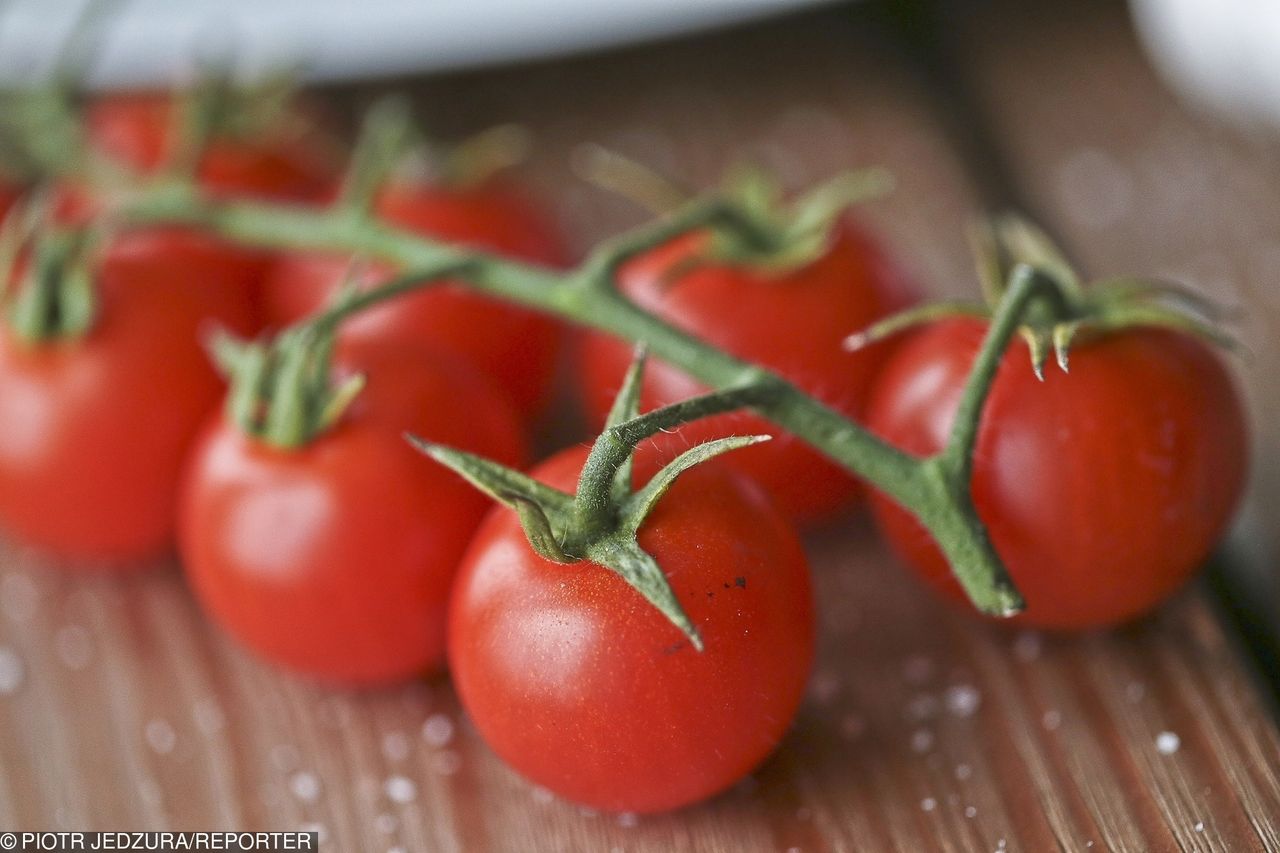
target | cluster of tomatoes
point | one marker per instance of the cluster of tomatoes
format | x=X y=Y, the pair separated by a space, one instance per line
x=354 y=559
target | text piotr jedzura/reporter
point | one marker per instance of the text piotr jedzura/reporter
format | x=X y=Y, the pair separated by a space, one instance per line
x=165 y=841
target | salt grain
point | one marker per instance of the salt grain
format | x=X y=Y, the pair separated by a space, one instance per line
x=922 y=706
x=928 y=804
x=1167 y=743
x=921 y=740
x=400 y=789
x=385 y=823
x=963 y=772
x=1199 y=827
x=437 y=730
x=1051 y=720
x=12 y=672
x=970 y=811
x=963 y=700
x=542 y=796
x=305 y=786
x=628 y=820
x=161 y=736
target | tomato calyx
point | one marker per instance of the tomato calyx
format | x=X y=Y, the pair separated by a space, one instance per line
x=771 y=234
x=1067 y=310
x=55 y=299
x=601 y=520
x=282 y=392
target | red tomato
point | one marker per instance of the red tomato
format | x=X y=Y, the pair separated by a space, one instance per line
x=335 y=559
x=585 y=688
x=794 y=324
x=1103 y=489
x=515 y=346
x=96 y=429
x=137 y=129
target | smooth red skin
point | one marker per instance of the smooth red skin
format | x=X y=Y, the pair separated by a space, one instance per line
x=515 y=346
x=586 y=689
x=793 y=324
x=336 y=559
x=1103 y=489
x=137 y=130
x=96 y=429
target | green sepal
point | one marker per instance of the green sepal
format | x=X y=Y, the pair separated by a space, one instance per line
x=626 y=406
x=640 y=504
x=58 y=299
x=599 y=523
x=642 y=572
x=1065 y=312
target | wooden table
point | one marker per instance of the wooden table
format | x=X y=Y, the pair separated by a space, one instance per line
x=120 y=708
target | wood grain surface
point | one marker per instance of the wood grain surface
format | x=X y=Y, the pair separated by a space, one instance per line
x=924 y=729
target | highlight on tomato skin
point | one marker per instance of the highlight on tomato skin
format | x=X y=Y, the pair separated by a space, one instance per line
x=516 y=347
x=97 y=428
x=586 y=689
x=335 y=559
x=792 y=322
x=1104 y=489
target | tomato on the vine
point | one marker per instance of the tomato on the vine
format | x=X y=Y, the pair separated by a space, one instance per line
x=515 y=346
x=1103 y=488
x=791 y=322
x=585 y=688
x=96 y=428
x=336 y=558
x=279 y=163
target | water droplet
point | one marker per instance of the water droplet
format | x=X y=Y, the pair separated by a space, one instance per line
x=921 y=740
x=1167 y=743
x=963 y=700
x=161 y=736
x=12 y=672
x=400 y=789
x=305 y=786
x=437 y=730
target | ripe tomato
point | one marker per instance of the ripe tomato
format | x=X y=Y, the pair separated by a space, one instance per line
x=582 y=686
x=1103 y=489
x=282 y=165
x=335 y=559
x=96 y=429
x=515 y=346
x=793 y=323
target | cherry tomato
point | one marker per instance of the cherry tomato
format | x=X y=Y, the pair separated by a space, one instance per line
x=335 y=559
x=1103 y=488
x=585 y=688
x=513 y=345
x=96 y=429
x=793 y=323
x=283 y=165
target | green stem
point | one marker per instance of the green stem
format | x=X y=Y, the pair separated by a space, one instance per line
x=587 y=296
